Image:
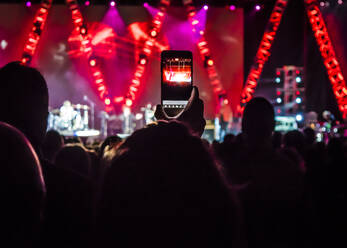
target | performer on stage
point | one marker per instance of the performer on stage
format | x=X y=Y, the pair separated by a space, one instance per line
x=67 y=113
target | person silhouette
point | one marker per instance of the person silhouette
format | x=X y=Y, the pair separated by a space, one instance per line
x=24 y=104
x=22 y=190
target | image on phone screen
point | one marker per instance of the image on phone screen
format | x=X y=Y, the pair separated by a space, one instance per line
x=177 y=78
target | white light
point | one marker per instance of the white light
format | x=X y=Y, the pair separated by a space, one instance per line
x=335 y=130
x=340 y=1
x=298 y=100
x=298 y=79
x=299 y=117
x=138 y=116
x=3 y=44
x=277 y=80
x=278 y=99
x=87 y=133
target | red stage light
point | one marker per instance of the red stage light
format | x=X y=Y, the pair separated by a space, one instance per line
x=107 y=101
x=86 y=3
x=128 y=102
x=92 y=62
x=225 y=101
x=297 y=92
x=328 y=54
x=143 y=61
x=263 y=52
x=279 y=93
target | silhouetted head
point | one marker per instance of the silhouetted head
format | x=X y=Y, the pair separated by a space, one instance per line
x=295 y=139
x=52 y=144
x=24 y=100
x=277 y=139
x=164 y=190
x=74 y=157
x=110 y=141
x=258 y=120
x=22 y=189
x=310 y=136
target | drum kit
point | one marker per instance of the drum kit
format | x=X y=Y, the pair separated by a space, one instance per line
x=69 y=118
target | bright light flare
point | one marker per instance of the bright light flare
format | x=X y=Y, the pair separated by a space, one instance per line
x=205 y=7
x=257 y=7
x=28 y=4
x=128 y=102
x=92 y=62
x=112 y=3
x=232 y=7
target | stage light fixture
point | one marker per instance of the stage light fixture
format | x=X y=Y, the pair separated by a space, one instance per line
x=226 y=101
x=154 y=33
x=299 y=117
x=205 y=7
x=279 y=100
x=210 y=62
x=143 y=61
x=87 y=3
x=107 y=101
x=277 y=80
x=201 y=32
x=257 y=7
x=92 y=62
x=145 y=5
x=232 y=7
x=298 y=79
x=128 y=102
x=298 y=100
x=28 y=4
x=112 y=3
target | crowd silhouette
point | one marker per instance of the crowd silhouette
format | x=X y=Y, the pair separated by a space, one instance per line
x=164 y=186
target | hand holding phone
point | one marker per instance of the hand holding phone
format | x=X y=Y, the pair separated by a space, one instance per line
x=192 y=114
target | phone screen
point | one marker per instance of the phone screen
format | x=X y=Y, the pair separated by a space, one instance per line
x=176 y=78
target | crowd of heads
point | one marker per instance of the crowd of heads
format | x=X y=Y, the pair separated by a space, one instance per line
x=164 y=186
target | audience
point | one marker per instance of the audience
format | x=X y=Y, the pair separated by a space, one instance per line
x=164 y=186
x=22 y=190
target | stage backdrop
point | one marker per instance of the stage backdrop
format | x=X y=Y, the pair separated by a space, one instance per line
x=68 y=78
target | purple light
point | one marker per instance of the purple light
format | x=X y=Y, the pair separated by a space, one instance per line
x=112 y=3
x=257 y=7
x=145 y=5
x=86 y=3
x=232 y=7
x=205 y=7
x=28 y=4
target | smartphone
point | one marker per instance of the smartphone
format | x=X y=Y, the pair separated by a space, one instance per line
x=176 y=80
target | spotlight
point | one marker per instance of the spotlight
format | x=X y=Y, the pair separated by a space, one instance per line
x=145 y=5
x=340 y=2
x=257 y=7
x=92 y=62
x=107 y=101
x=299 y=117
x=128 y=102
x=205 y=7
x=232 y=7
x=195 y=22
x=277 y=80
x=86 y=3
x=225 y=101
x=322 y=4
x=210 y=62
x=112 y=3
x=298 y=79
x=201 y=32
x=83 y=31
x=28 y=4
x=154 y=33
x=279 y=100
x=298 y=100
x=143 y=61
